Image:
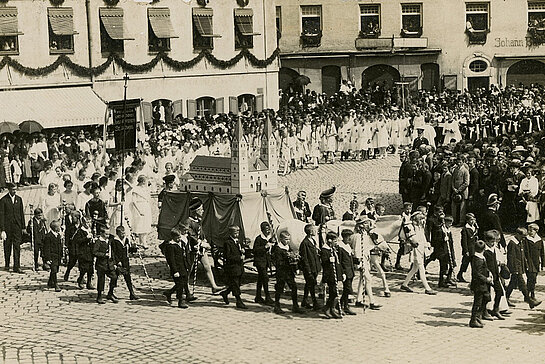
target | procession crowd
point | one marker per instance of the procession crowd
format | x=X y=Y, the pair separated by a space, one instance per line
x=472 y=160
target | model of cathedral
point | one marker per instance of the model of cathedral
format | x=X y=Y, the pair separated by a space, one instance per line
x=237 y=174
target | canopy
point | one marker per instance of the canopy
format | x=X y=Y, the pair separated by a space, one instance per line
x=112 y=19
x=8 y=21
x=159 y=19
x=53 y=107
x=61 y=20
x=220 y=211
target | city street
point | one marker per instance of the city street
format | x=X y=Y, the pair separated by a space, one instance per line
x=38 y=325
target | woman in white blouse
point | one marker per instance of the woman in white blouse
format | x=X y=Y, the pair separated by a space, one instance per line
x=528 y=190
x=50 y=203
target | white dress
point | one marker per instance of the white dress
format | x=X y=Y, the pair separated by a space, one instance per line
x=50 y=206
x=531 y=185
x=382 y=135
x=115 y=212
x=141 y=210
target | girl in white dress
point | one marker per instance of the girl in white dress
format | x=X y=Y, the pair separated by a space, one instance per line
x=50 y=203
x=315 y=152
x=364 y=139
x=285 y=151
x=382 y=137
x=331 y=134
x=141 y=210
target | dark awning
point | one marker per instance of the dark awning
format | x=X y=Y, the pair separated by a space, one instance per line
x=203 y=21
x=159 y=19
x=61 y=20
x=8 y=22
x=244 y=21
x=112 y=19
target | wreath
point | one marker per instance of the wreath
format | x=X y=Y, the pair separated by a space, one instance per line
x=242 y=3
x=56 y=2
x=111 y=2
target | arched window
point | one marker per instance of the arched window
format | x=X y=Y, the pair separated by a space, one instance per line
x=206 y=106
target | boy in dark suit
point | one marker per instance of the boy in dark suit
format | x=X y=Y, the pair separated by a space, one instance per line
x=262 y=261
x=517 y=264
x=104 y=264
x=480 y=283
x=332 y=273
x=233 y=255
x=284 y=261
x=37 y=230
x=535 y=256
x=469 y=238
x=310 y=266
x=179 y=258
x=346 y=257
x=83 y=242
x=53 y=250
x=490 y=239
x=121 y=247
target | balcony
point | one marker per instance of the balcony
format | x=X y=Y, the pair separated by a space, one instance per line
x=536 y=35
x=369 y=34
x=477 y=36
x=311 y=40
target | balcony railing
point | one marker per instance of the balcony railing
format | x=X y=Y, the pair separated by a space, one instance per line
x=411 y=33
x=369 y=34
x=477 y=36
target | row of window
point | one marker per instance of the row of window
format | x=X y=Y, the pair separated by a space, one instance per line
x=113 y=31
x=477 y=19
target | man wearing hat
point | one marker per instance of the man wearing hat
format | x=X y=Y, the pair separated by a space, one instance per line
x=420 y=138
x=362 y=253
x=12 y=224
x=302 y=209
x=460 y=190
x=323 y=212
x=194 y=223
x=469 y=238
x=490 y=219
x=233 y=255
x=169 y=186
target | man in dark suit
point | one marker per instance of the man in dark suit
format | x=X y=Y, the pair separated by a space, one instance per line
x=310 y=265
x=480 y=283
x=302 y=208
x=53 y=250
x=262 y=261
x=460 y=190
x=83 y=241
x=490 y=219
x=473 y=194
x=233 y=266
x=469 y=238
x=12 y=225
x=285 y=263
x=323 y=212
x=104 y=264
x=346 y=257
x=121 y=247
x=332 y=273
x=420 y=139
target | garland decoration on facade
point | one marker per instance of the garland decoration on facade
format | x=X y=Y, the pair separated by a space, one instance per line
x=537 y=35
x=83 y=71
x=56 y=2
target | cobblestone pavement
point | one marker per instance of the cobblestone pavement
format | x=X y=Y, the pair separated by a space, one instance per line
x=38 y=325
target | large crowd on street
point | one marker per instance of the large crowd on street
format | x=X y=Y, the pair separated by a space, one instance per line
x=472 y=160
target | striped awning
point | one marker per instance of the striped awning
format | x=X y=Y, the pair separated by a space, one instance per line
x=112 y=19
x=61 y=20
x=159 y=19
x=202 y=17
x=244 y=19
x=8 y=22
x=53 y=107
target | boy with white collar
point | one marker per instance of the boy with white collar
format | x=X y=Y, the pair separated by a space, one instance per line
x=469 y=238
x=535 y=256
x=346 y=257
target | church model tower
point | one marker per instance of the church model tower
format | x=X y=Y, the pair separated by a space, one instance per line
x=238 y=174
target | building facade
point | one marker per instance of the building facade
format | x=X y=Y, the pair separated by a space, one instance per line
x=158 y=43
x=452 y=44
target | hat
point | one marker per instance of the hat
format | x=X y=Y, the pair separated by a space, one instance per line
x=519 y=148
x=449 y=218
x=328 y=193
x=407 y=204
x=470 y=215
x=169 y=178
x=10 y=185
x=195 y=203
x=515 y=163
x=361 y=219
x=37 y=211
x=493 y=199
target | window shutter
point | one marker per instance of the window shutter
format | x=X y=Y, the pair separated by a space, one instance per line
x=176 y=108
x=191 y=109
x=233 y=104
x=147 y=110
x=259 y=103
x=219 y=105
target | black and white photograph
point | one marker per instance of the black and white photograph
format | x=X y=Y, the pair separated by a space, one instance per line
x=272 y=181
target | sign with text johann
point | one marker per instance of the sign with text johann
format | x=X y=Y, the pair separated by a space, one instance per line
x=124 y=123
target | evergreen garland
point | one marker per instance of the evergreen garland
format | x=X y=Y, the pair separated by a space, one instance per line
x=83 y=71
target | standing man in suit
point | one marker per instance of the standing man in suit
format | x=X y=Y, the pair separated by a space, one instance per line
x=302 y=208
x=262 y=261
x=72 y=223
x=233 y=256
x=460 y=190
x=473 y=192
x=469 y=238
x=490 y=219
x=53 y=250
x=310 y=265
x=12 y=225
x=284 y=262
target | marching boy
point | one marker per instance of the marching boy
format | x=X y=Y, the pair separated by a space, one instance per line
x=104 y=264
x=52 y=253
x=535 y=256
x=285 y=261
x=469 y=238
x=262 y=261
x=37 y=229
x=346 y=256
x=178 y=254
x=480 y=285
x=310 y=266
x=332 y=273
